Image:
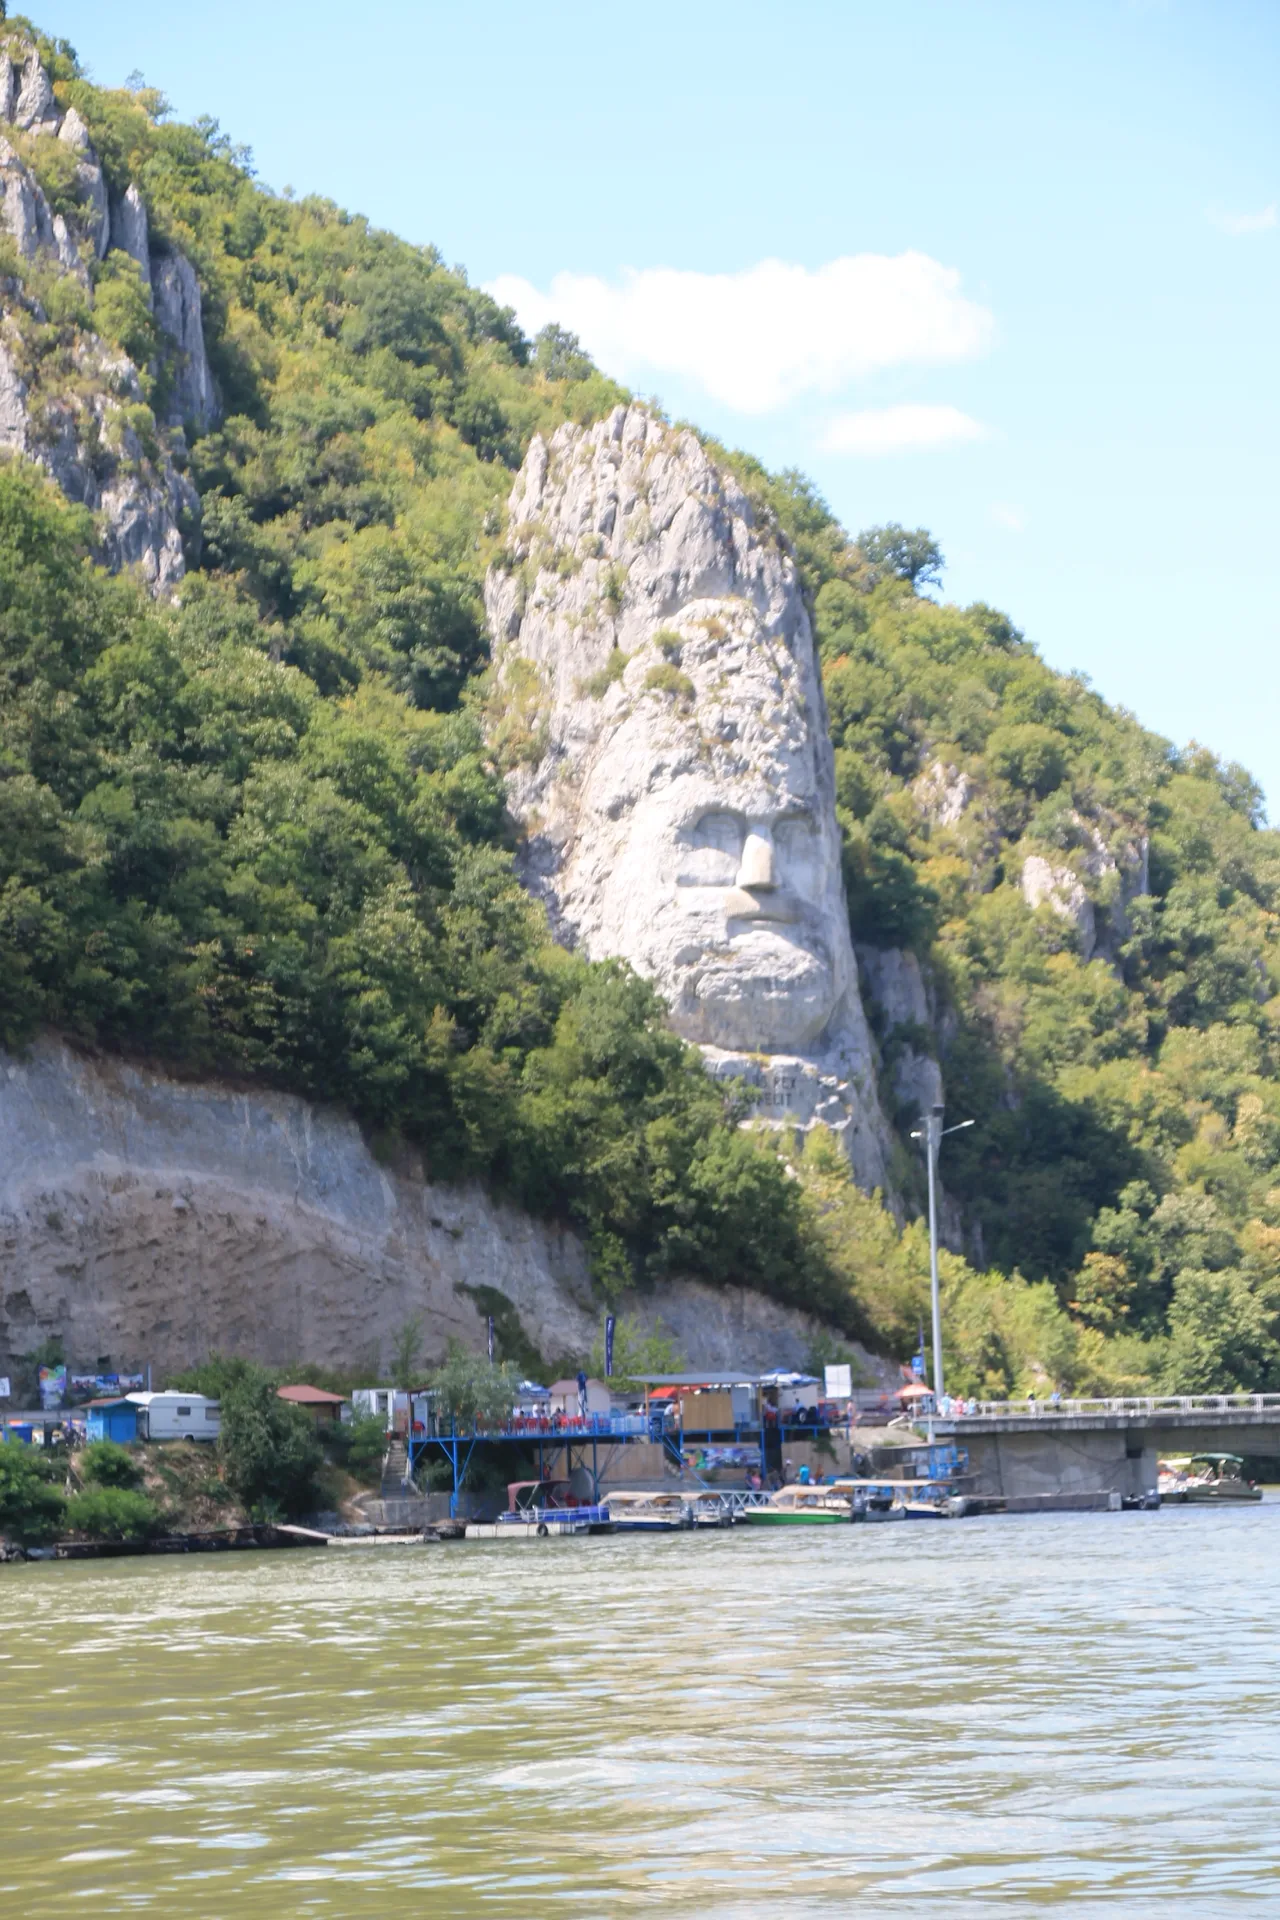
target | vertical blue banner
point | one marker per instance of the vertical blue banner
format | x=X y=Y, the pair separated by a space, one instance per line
x=609 y=1324
x=490 y=1340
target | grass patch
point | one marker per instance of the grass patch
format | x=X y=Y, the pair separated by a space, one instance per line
x=669 y=679
x=595 y=685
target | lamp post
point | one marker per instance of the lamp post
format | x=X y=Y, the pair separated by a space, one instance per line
x=932 y=1134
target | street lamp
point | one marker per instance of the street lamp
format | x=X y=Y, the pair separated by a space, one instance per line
x=932 y=1134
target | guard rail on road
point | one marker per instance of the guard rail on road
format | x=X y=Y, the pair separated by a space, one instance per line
x=1155 y=1403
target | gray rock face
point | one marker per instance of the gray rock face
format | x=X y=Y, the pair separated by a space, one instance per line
x=141 y=498
x=26 y=216
x=95 y=218
x=1064 y=892
x=895 y=986
x=1096 y=888
x=140 y=517
x=943 y=793
x=656 y=668
x=129 y=230
x=177 y=308
x=35 y=107
x=154 y=1220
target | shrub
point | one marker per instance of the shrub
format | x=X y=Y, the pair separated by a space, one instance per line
x=32 y=1509
x=270 y=1448
x=358 y=1445
x=668 y=642
x=121 y=311
x=104 y=1464
x=113 y=1513
x=669 y=679
x=595 y=685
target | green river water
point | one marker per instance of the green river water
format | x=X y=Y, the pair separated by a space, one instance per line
x=982 y=1717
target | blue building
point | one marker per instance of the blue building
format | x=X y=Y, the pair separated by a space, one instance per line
x=112 y=1420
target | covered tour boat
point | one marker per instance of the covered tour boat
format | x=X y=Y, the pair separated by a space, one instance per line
x=1206 y=1479
x=797 y=1506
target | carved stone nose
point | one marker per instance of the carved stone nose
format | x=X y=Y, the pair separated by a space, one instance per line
x=756 y=868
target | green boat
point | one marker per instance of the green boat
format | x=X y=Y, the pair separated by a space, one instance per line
x=800 y=1507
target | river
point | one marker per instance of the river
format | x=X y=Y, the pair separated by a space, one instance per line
x=981 y=1717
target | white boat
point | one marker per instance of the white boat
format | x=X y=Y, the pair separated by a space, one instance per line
x=710 y=1509
x=536 y=1509
x=640 y=1511
x=517 y=1527
x=1206 y=1479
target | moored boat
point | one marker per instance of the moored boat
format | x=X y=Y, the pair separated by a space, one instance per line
x=640 y=1511
x=710 y=1509
x=536 y=1509
x=798 y=1506
x=1205 y=1479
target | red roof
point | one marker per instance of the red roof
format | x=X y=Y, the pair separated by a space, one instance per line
x=311 y=1396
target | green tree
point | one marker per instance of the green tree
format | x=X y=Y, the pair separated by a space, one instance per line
x=32 y=1507
x=472 y=1393
x=271 y=1455
x=635 y=1353
x=909 y=555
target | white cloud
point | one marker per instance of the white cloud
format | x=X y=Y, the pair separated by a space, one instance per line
x=768 y=335
x=1012 y=519
x=880 y=430
x=1240 y=223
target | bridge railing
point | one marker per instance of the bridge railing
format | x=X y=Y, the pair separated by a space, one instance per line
x=1152 y=1403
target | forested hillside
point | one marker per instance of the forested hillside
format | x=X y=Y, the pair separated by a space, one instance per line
x=253 y=829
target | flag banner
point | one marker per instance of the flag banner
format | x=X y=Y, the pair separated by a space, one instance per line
x=609 y=1325
x=582 y=1395
x=490 y=1339
x=5 y=1389
x=53 y=1387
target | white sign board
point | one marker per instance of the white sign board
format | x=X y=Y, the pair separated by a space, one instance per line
x=5 y=1389
x=839 y=1382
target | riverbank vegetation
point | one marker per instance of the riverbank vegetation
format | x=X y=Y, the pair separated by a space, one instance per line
x=256 y=833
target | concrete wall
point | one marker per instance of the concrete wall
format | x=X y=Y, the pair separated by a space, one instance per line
x=1021 y=1465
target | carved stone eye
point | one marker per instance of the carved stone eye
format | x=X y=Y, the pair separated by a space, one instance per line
x=712 y=851
x=725 y=831
x=794 y=835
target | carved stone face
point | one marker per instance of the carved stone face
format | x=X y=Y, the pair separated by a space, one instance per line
x=681 y=812
x=722 y=883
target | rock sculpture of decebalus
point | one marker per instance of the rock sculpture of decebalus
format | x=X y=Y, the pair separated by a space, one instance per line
x=658 y=692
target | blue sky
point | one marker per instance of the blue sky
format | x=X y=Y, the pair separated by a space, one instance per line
x=1031 y=253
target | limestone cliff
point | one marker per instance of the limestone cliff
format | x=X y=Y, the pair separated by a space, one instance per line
x=148 y=1220
x=68 y=399
x=659 y=706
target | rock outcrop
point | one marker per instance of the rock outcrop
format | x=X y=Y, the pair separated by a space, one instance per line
x=95 y=434
x=659 y=704
x=906 y=1022
x=1094 y=888
x=145 y=1219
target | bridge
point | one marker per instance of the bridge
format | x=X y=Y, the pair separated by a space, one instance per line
x=1067 y=1453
